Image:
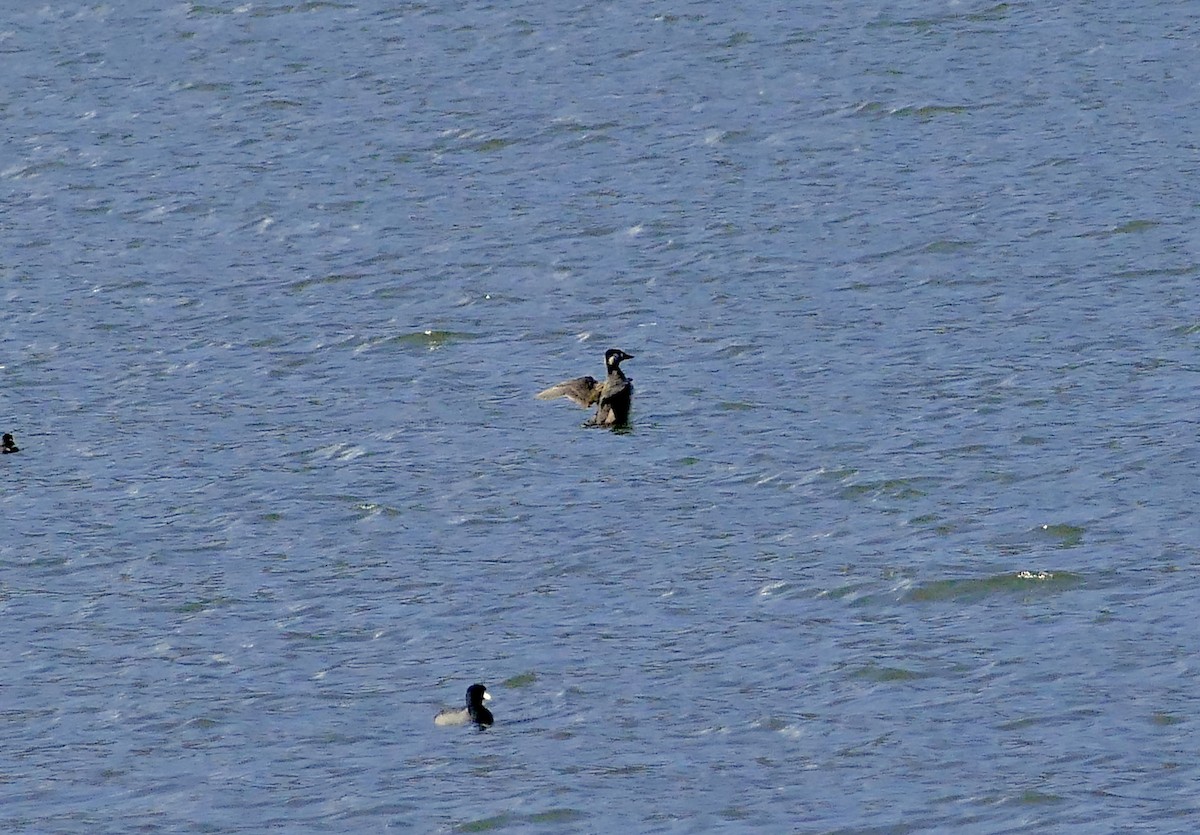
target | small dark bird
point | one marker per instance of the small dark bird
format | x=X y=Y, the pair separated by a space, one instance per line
x=612 y=396
x=475 y=712
x=7 y=444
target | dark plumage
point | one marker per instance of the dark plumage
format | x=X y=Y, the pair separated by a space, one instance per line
x=475 y=712
x=611 y=396
x=7 y=444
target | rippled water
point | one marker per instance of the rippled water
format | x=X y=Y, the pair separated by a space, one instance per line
x=901 y=539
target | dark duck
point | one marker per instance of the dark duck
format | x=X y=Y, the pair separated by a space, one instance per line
x=475 y=712
x=611 y=396
x=7 y=444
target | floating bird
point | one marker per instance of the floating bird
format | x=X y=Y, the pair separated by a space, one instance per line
x=612 y=396
x=7 y=444
x=475 y=712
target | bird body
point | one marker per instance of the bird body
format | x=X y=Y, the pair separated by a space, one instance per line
x=7 y=444
x=475 y=712
x=612 y=396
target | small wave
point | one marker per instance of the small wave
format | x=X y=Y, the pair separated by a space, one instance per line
x=1018 y=582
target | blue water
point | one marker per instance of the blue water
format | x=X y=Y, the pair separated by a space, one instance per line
x=901 y=539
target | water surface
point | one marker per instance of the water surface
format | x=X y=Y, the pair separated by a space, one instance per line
x=901 y=538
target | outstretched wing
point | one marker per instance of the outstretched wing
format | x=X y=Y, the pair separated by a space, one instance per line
x=582 y=390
